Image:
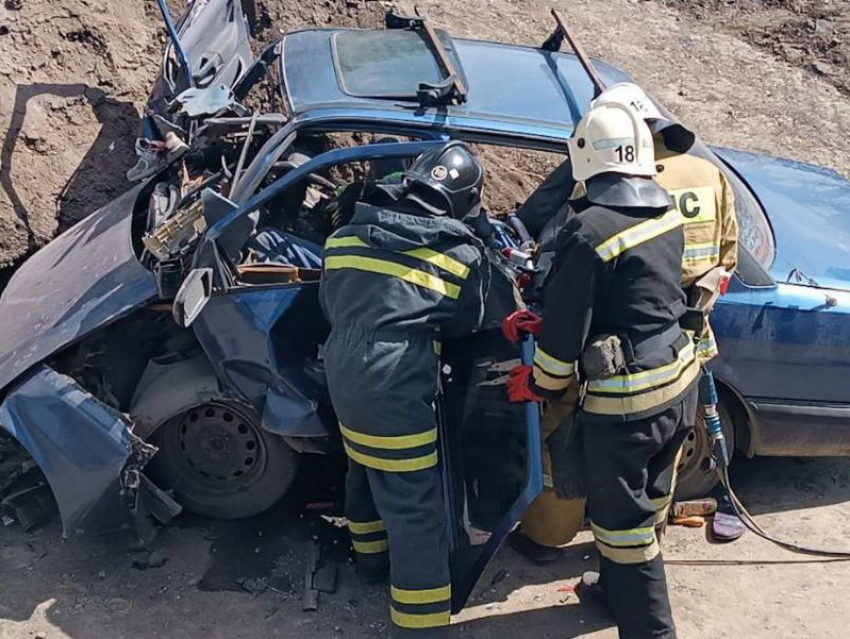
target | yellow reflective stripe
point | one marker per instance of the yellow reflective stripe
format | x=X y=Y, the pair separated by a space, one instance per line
x=631 y=537
x=545 y=381
x=701 y=252
x=629 y=555
x=385 y=267
x=638 y=234
x=635 y=382
x=438 y=348
x=548 y=482
x=440 y=260
x=430 y=596
x=431 y=620
x=662 y=507
x=659 y=502
x=392 y=465
x=344 y=242
x=371 y=547
x=402 y=442
x=366 y=528
x=552 y=365
x=632 y=404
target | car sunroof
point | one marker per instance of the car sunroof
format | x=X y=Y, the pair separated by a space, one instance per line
x=388 y=64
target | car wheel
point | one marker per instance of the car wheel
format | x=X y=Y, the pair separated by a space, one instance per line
x=694 y=481
x=220 y=463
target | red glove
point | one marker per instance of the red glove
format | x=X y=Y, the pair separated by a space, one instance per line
x=519 y=389
x=521 y=322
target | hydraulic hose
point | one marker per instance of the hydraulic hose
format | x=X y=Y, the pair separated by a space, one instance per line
x=750 y=523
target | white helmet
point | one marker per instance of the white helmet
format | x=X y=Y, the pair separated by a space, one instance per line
x=612 y=139
x=632 y=96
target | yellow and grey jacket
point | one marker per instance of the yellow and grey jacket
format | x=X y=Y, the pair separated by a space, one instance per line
x=618 y=272
x=394 y=284
x=704 y=198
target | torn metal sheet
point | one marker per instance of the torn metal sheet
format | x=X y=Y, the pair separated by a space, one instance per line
x=82 y=280
x=82 y=446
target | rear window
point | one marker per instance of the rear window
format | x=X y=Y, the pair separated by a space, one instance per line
x=388 y=64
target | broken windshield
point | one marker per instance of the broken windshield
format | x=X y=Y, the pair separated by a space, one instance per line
x=388 y=64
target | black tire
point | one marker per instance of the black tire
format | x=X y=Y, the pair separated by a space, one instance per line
x=220 y=463
x=694 y=481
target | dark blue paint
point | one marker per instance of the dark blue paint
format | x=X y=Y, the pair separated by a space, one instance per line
x=513 y=90
x=84 y=279
x=261 y=341
x=80 y=444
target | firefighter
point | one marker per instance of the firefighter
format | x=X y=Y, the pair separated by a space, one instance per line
x=612 y=305
x=704 y=198
x=397 y=280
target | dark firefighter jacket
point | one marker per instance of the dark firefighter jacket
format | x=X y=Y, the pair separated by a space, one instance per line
x=394 y=284
x=618 y=272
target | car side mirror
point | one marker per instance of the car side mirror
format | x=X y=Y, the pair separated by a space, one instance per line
x=192 y=297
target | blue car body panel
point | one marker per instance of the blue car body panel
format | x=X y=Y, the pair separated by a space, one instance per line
x=85 y=278
x=261 y=342
x=809 y=212
x=80 y=444
x=548 y=91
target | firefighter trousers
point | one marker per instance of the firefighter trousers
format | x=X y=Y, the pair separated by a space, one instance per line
x=400 y=518
x=630 y=480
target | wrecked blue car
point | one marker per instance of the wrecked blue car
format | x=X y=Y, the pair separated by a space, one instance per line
x=165 y=352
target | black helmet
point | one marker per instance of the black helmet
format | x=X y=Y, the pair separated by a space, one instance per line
x=446 y=180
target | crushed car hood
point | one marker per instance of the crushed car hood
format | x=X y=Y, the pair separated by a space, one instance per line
x=85 y=278
x=809 y=212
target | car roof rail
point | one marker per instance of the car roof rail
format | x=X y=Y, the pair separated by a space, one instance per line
x=554 y=42
x=452 y=90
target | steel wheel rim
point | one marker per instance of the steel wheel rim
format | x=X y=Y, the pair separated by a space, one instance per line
x=217 y=448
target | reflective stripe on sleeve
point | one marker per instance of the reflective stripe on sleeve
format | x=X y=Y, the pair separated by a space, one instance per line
x=708 y=251
x=552 y=365
x=638 y=234
x=544 y=380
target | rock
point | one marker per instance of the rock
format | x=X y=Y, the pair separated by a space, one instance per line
x=101 y=574
x=156 y=559
x=823 y=28
x=14 y=5
x=39 y=635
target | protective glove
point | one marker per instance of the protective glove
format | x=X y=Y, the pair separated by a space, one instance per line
x=519 y=388
x=523 y=321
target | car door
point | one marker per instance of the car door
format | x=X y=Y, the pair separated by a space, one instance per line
x=215 y=38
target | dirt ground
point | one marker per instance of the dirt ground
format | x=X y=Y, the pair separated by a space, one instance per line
x=764 y=76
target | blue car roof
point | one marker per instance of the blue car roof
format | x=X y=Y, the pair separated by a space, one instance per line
x=513 y=92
